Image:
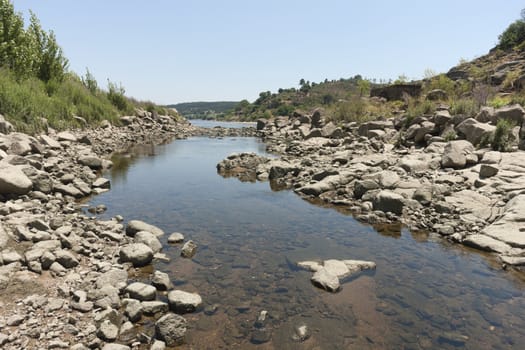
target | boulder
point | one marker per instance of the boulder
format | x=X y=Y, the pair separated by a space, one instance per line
x=141 y=291
x=514 y=113
x=442 y=118
x=148 y=239
x=13 y=180
x=135 y=226
x=486 y=243
x=437 y=94
x=171 y=329
x=50 y=142
x=388 y=201
x=488 y=170
x=475 y=131
x=508 y=229
x=455 y=154
x=279 y=169
x=161 y=280
x=107 y=331
x=93 y=162
x=138 y=254
x=183 y=302
x=261 y=124
x=485 y=115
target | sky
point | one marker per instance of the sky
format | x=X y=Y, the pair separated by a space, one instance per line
x=171 y=51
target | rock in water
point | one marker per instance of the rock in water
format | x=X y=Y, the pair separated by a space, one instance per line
x=138 y=254
x=171 y=328
x=141 y=291
x=135 y=226
x=325 y=280
x=188 y=249
x=184 y=302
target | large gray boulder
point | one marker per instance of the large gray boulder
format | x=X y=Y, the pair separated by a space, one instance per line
x=13 y=180
x=388 y=201
x=138 y=254
x=91 y=161
x=279 y=169
x=475 y=131
x=148 y=239
x=514 y=113
x=184 y=302
x=141 y=291
x=135 y=226
x=509 y=227
x=171 y=329
x=455 y=154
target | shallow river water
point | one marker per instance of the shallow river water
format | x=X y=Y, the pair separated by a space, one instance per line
x=424 y=294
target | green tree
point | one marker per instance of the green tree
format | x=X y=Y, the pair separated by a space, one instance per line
x=15 y=52
x=90 y=82
x=48 y=60
x=514 y=35
x=364 y=87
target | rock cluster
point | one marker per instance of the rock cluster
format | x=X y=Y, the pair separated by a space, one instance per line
x=64 y=280
x=405 y=169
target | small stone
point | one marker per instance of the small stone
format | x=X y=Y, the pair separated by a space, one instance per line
x=188 y=249
x=488 y=170
x=175 y=237
x=301 y=333
x=107 y=331
x=133 y=310
x=15 y=320
x=138 y=254
x=325 y=280
x=161 y=280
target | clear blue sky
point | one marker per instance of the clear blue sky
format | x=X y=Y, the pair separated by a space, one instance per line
x=171 y=51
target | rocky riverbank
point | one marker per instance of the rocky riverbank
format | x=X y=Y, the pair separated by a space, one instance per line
x=68 y=280
x=430 y=173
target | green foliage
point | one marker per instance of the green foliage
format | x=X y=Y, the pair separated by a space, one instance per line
x=503 y=138
x=417 y=108
x=450 y=135
x=364 y=86
x=498 y=101
x=351 y=111
x=116 y=95
x=513 y=36
x=285 y=110
x=465 y=106
x=32 y=52
x=29 y=106
x=90 y=82
x=444 y=83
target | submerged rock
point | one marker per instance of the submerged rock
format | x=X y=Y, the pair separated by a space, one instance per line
x=188 y=249
x=171 y=328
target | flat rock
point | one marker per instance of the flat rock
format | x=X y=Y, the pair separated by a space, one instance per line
x=135 y=226
x=141 y=291
x=486 y=243
x=66 y=136
x=184 y=302
x=510 y=227
x=325 y=280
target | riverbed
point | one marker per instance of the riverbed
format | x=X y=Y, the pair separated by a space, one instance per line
x=425 y=293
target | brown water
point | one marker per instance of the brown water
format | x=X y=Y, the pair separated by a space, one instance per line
x=425 y=293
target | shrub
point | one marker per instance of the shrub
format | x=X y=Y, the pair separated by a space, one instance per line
x=351 y=111
x=503 y=137
x=464 y=106
x=117 y=98
x=442 y=82
x=450 y=136
x=513 y=36
x=498 y=101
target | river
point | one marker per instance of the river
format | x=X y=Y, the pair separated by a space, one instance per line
x=424 y=294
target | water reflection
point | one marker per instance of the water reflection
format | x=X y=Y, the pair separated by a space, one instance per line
x=424 y=294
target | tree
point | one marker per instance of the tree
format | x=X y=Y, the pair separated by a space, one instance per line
x=513 y=36
x=14 y=49
x=48 y=59
x=301 y=82
x=364 y=87
x=90 y=82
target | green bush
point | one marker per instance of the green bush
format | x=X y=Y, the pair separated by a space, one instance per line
x=513 y=36
x=351 y=111
x=503 y=138
x=464 y=106
x=498 y=102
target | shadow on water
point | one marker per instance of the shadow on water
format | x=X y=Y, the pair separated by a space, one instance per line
x=424 y=294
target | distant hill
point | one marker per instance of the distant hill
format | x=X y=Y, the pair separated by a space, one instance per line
x=204 y=110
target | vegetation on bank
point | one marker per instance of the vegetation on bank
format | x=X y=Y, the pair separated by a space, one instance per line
x=204 y=110
x=38 y=90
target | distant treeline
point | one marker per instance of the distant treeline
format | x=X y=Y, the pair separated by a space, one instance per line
x=204 y=110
